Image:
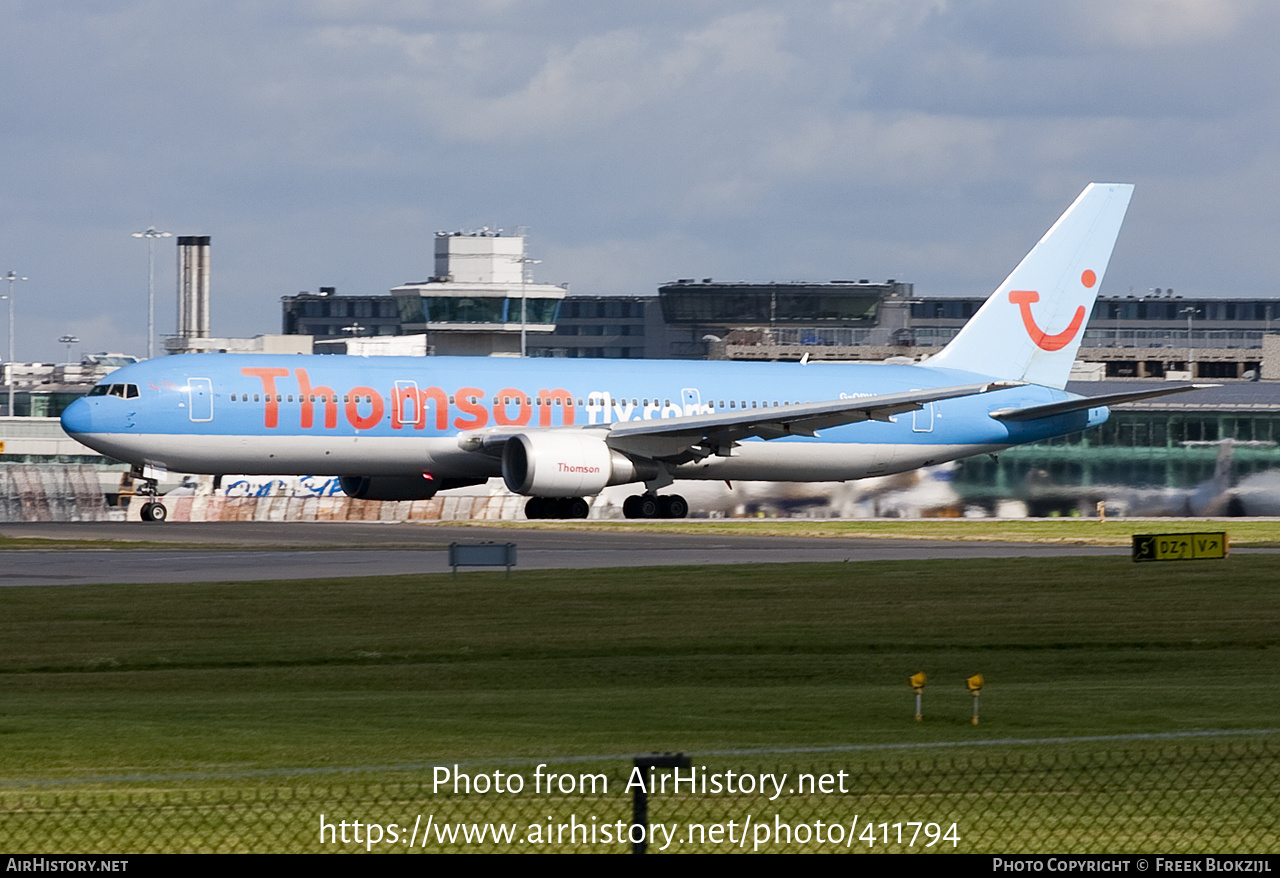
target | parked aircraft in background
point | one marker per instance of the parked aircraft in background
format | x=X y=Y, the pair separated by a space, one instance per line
x=1254 y=495
x=557 y=431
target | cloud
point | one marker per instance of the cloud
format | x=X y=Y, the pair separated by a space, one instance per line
x=323 y=142
x=1164 y=24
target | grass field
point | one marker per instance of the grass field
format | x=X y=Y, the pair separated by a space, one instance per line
x=152 y=689
x=1244 y=532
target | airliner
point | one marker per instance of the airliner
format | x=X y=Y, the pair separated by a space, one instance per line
x=559 y=431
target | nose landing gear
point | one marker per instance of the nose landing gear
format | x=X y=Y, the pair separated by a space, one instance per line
x=152 y=509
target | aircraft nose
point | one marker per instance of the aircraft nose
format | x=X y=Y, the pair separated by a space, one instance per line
x=78 y=417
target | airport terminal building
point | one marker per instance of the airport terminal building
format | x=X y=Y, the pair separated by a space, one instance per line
x=1152 y=336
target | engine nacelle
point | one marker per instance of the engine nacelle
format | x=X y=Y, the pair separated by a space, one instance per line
x=563 y=464
x=399 y=487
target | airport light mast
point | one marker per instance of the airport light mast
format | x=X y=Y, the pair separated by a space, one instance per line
x=68 y=340
x=12 y=277
x=1191 y=349
x=151 y=234
x=525 y=262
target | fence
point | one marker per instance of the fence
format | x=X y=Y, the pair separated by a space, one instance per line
x=1203 y=796
x=72 y=492
x=51 y=492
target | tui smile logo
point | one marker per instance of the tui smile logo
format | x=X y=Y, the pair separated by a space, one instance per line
x=1046 y=342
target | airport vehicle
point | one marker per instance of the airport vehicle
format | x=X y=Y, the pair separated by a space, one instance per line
x=558 y=431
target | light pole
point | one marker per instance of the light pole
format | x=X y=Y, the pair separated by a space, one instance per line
x=525 y=262
x=7 y=365
x=12 y=277
x=151 y=234
x=1191 y=348
x=68 y=340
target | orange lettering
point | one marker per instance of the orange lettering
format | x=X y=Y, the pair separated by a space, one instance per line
x=272 y=417
x=353 y=408
x=548 y=398
x=500 y=408
x=441 y=400
x=419 y=398
x=466 y=402
x=327 y=396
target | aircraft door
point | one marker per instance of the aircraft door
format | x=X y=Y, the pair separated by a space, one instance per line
x=922 y=419
x=406 y=400
x=691 y=400
x=200 y=399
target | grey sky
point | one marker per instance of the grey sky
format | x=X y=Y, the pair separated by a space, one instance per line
x=324 y=142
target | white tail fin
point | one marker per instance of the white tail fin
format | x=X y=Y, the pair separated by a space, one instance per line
x=1031 y=326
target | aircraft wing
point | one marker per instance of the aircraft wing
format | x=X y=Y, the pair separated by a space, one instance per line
x=1030 y=413
x=693 y=437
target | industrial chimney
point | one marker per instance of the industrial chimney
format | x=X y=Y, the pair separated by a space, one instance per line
x=193 y=286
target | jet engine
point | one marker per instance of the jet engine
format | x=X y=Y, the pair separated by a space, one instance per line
x=421 y=487
x=564 y=464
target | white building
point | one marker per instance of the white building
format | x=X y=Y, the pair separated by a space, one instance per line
x=480 y=300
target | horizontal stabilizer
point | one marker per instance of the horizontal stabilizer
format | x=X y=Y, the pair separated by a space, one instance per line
x=1031 y=413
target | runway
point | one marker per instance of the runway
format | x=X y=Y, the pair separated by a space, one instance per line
x=244 y=551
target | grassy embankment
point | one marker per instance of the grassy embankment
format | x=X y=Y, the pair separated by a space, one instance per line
x=194 y=687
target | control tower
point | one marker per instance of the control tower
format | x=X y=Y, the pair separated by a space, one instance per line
x=481 y=300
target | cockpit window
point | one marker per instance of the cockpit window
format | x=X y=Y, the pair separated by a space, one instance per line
x=124 y=391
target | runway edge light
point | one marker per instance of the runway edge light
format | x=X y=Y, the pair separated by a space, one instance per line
x=917 y=684
x=975 y=689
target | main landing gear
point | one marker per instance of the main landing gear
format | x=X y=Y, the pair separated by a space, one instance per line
x=556 y=507
x=653 y=506
x=152 y=509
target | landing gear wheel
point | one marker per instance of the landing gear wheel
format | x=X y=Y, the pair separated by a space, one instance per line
x=556 y=507
x=653 y=506
x=673 y=506
x=153 y=512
